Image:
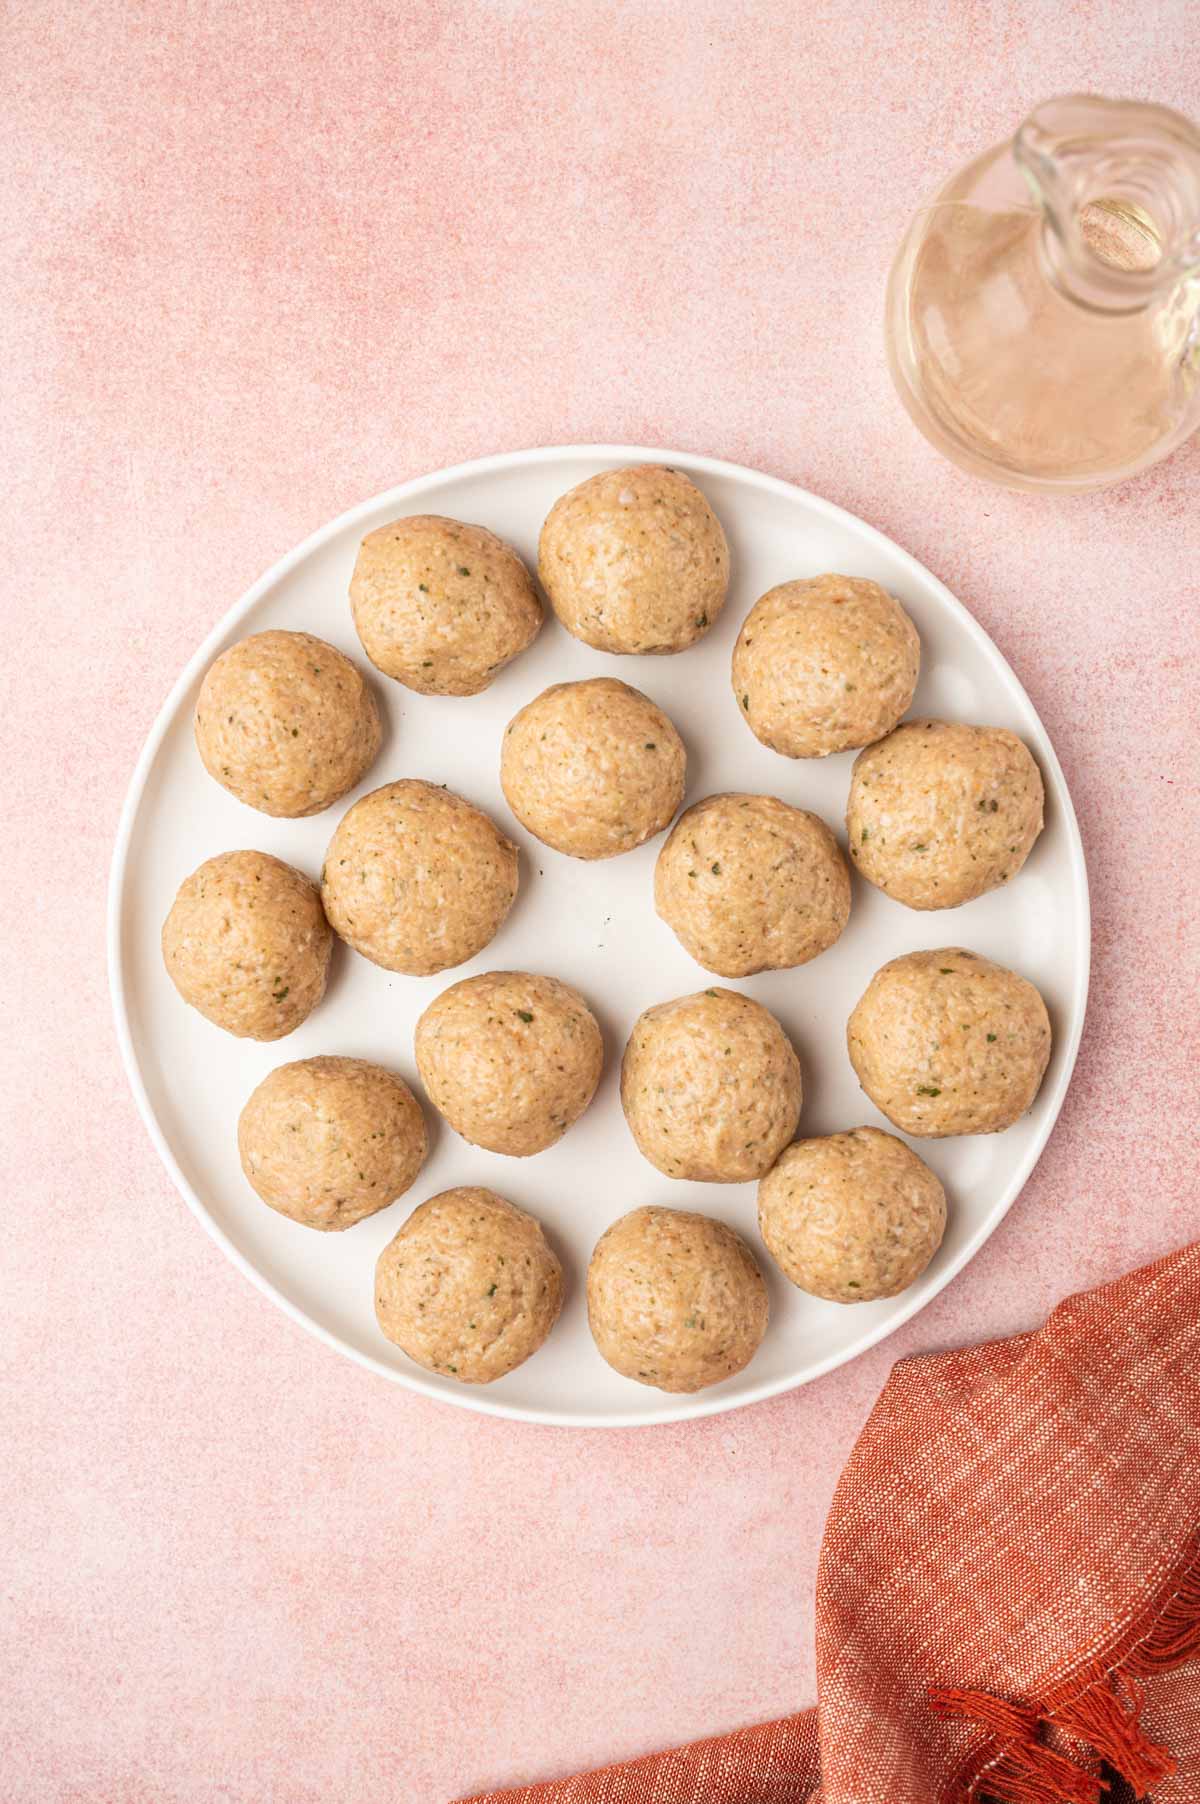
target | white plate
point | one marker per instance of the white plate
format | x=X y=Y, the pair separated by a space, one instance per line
x=592 y=924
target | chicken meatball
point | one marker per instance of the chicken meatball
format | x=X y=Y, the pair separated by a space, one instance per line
x=825 y=664
x=635 y=561
x=285 y=723
x=940 y=813
x=948 y=1043
x=328 y=1141
x=710 y=1085
x=442 y=606
x=469 y=1287
x=747 y=884
x=247 y=943
x=853 y=1216
x=510 y=1059
x=675 y=1300
x=593 y=768
x=416 y=879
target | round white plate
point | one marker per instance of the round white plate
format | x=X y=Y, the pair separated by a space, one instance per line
x=592 y=924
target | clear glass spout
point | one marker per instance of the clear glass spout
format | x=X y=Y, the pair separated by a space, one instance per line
x=1044 y=310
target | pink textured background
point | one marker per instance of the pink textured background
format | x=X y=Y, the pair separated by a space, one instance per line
x=260 y=262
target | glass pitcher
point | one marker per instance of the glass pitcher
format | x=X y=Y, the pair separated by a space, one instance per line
x=1043 y=314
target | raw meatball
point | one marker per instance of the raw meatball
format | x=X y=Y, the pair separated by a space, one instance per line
x=634 y=561
x=247 y=944
x=592 y=768
x=416 y=879
x=509 y=1059
x=748 y=884
x=823 y=665
x=851 y=1217
x=939 y=813
x=710 y=1086
x=948 y=1043
x=442 y=606
x=286 y=723
x=328 y=1141
x=675 y=1299
x=469 y=1286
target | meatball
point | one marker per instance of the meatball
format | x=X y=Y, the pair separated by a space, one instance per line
x=634 y=561
x=246 y=943
x=510 y=1060
x=948 y=1043
x=416 y=879
x=469 y=1286
x=328 y=1141
x=710 y=1086
x=442 y=606
x=940 y=813
x=825 y=664
x=851 y=1217
x=747 y=884
x=675 y=1300
x=286 y=723
x=593 y=768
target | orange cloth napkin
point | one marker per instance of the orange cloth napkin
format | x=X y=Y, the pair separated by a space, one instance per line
x=1008 y=1595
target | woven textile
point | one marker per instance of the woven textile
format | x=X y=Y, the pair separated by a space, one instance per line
x=1008 y=1597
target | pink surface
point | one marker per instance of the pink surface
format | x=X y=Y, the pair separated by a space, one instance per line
x=261 y=263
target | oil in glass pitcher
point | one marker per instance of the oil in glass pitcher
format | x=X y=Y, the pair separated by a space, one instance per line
x=1043 y=313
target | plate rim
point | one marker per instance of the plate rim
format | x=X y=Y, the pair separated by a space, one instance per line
x=700 y=1404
